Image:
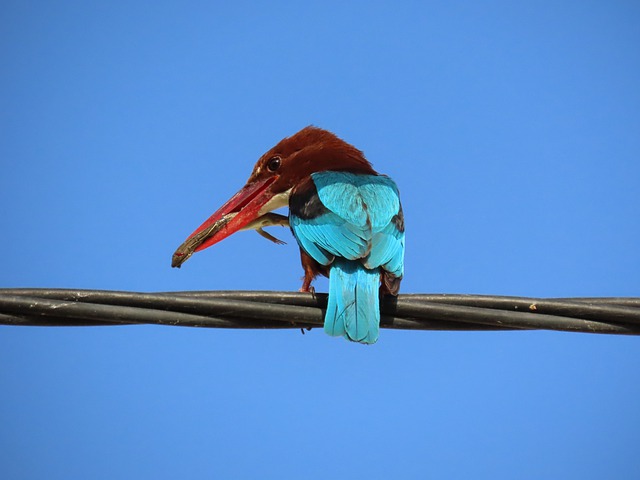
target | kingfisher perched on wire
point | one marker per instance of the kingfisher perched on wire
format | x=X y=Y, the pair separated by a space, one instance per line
x=346 y=218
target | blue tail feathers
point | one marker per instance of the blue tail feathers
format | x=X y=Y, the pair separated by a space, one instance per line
x=353 y=309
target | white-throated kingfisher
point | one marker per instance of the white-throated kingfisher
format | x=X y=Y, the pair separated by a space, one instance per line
x=346 y=218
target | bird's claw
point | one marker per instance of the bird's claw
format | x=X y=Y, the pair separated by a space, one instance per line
x=308 y=288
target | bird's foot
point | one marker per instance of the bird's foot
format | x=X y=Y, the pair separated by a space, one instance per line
x=308 y=288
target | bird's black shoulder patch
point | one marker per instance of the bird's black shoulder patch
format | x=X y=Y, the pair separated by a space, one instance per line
x=398 y=220
x=304 y=201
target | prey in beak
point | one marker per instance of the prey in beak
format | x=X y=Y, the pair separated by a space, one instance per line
x=249 y=209
x=269 y=220
x=191 y=244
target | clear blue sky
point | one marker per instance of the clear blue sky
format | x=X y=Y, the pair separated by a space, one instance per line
x=513 y=131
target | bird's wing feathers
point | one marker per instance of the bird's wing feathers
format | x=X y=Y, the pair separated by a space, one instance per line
x=388 y=251
x=328 y=236
x=357 y=224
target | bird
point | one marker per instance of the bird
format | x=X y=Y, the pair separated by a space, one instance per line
x=346 y=218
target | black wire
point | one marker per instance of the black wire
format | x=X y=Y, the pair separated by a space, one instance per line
x=264 y=309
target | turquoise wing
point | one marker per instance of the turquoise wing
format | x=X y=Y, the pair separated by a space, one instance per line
x=360 y=220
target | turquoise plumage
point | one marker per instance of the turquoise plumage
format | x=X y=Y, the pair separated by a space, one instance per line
x=356 y=235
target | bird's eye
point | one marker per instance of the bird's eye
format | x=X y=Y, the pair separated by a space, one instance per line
x=273 y=164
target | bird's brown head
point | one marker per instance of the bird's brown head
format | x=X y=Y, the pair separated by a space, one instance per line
x=310 y=150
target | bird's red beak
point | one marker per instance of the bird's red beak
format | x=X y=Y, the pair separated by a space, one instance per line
x=236 y=213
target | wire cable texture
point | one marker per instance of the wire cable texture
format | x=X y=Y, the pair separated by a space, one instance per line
x=267 y=309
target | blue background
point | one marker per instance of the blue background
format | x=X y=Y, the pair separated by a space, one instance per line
x=513 y=131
